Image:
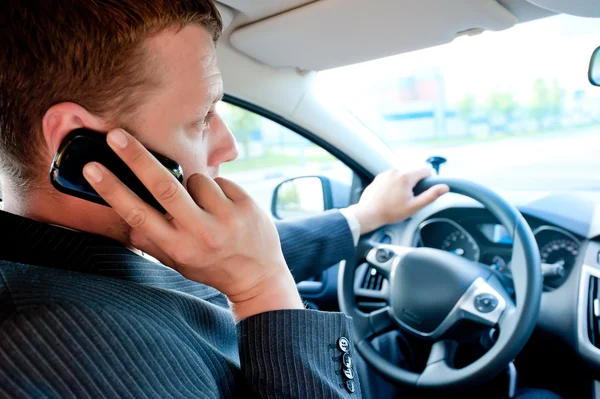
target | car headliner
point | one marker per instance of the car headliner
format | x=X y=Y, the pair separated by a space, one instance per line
x=323 y=34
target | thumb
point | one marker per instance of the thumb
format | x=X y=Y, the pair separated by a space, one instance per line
x=231 y=190
x=428 y=197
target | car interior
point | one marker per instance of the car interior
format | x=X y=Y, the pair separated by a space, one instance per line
x=493 y=288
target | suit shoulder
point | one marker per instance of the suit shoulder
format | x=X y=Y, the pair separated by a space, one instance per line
x=78 y=350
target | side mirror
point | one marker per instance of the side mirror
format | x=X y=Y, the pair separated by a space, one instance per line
x=301 y=197
x=594 y=72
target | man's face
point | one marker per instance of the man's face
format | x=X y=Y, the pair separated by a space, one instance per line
x=178 y=119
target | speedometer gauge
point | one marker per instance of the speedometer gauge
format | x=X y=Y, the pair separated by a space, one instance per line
x=562 y=251
x=557 y=247
x=462 y=244
x=447 y=235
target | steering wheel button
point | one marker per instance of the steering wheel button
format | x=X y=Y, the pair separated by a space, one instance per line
x=485 y=303
x=383 y=255
x=344 y=344
x=350 y=386
x=347 y=360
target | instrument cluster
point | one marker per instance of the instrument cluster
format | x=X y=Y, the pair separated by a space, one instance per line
x=491 y=244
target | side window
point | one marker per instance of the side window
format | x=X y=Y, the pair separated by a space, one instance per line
x=270 y=154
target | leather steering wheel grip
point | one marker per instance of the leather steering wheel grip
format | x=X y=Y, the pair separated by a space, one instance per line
x=518 y=322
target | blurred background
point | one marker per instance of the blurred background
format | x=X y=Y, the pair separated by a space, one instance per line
x=511 y=109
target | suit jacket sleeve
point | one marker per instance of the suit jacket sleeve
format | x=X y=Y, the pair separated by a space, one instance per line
x=295 y=353
x=313 y=244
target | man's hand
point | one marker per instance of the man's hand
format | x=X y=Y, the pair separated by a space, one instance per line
x=213 y=234
x=390 y=199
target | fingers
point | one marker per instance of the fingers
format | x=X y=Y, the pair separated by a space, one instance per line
x=207 y=194
x=129 y=206
x=428 y=197
x=162 y=184
x=232 y=190
x=418 y=175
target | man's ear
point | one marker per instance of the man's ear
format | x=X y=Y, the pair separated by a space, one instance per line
x=62 y=118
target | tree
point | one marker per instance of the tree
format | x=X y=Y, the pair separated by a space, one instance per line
x=501 y=104
x=539 y=100
x=500 y=107
x=466 y=107
x=546 y=100
x=556 y=98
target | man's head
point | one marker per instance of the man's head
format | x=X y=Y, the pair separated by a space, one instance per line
x=146 y=66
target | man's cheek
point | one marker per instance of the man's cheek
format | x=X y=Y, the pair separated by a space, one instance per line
x=194 y=163
x=213 y=172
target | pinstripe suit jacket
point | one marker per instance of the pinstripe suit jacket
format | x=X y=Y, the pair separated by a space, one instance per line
x=82 y=317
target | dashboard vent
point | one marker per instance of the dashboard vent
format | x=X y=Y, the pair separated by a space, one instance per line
x=593 y=312
x=386 y=239
x=372 y=280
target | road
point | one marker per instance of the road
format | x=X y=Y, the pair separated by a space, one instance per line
x=559 y=161
x=552 y=162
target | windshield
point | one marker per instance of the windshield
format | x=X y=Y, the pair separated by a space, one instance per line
x=511 y=109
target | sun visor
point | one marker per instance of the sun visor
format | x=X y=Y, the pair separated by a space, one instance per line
x=332 y=33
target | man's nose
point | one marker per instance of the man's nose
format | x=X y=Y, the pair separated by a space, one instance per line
x=225 y=148
x=232 y=151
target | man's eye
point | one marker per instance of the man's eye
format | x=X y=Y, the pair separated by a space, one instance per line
x=202 y=124
x=209 y=117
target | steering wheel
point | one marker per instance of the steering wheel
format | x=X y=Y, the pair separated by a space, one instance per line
x=431 y=290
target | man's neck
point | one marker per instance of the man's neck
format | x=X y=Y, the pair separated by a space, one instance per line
x=66 y=211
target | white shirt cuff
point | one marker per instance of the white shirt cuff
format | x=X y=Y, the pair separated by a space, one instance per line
x=353 y=223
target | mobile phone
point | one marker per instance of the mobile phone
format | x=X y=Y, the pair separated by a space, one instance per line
x=82 y=146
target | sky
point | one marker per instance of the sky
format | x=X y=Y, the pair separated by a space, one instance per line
x=558 y=46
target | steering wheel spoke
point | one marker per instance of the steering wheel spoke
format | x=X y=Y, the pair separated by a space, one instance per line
x=375 y=323
x=483 y=303
x=381 y=321
x=439 y=361
x=384 y=258
x=506 y=321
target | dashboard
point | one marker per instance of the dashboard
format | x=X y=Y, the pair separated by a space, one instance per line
x=567 y=232
x=476 y=235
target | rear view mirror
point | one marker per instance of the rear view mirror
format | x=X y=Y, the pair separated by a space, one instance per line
x=301 y=197
x=594 y=72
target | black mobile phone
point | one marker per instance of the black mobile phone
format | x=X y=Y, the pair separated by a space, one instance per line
x=82 y=146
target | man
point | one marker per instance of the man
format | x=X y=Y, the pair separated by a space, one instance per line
x=82 y=314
